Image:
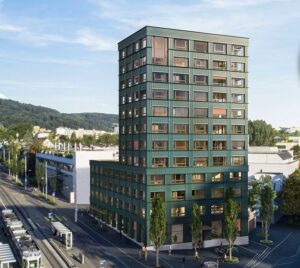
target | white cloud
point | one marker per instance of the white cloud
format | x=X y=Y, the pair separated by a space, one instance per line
x=9 y=28
x=2 y=96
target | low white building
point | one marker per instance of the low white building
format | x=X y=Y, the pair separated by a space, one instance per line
x=72 y=171
x=270 y=160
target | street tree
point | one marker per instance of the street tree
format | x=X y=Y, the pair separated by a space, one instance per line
x=158 y=225
x=196 y=227
x=296 y=152
x=230 y=219
x=291 y=195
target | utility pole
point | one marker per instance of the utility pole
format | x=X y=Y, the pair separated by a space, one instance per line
x=75 y=192
x=9 y=162
x=46 y=175
x=25 y=158
x=17 y=137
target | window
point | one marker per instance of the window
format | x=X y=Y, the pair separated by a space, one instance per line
x=201 y=80
x=219 y=97
x=178 y=212
x=198 y=178
x=160 y=50
x=238 y=82
x=235 y=176
x=219 y=48
x=217 y=209
x=160 y=94
x=217 y=177
x=178 y=178
x=123 y=53
x=129 y=66
x=200 y=112
x=238 y=145
x=200 y=46
x=180 y=161
x=136 y=63
x=219 y=145
x=219 y=112
x=143 y=94
x=216 y=229
x=136 y=46
x=181 y=78
x=159 y=128
x=219 y=81
x=160 y=77
x=238 y=66
x=181 y=62
x=217 y=193
x=181 y=111
x=238 y=50
x=181 y=145
x=158 y=194
x=136 y=80
x=219 y=65
x=122 y=84
x=143 y=77
x=200 y=145
x=129 y=82
x=200 y=129
x=200 y=161
x=238 y=113
x=158 y=179
x=198 y=194
x=143 y=60
x=144 y=42
x=238 y=98
x=219 y=129
x=129 y=50
x=177 y=231
x=181 y=44
x=181 y=128
x=237 y=192
x=159 y=111
x=122 y=70
x=178 y=195
x=200 y=63
x=238 y=129
x=159 y=162
x=219 y=161
x=238 y=160
x=160 y=145
x=181 y=95
x=200 y=96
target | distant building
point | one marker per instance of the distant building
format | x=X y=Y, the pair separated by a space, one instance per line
x=65 y=131
x=80 y=132
x=72 y=171
x=289 y=144
x=270 y=160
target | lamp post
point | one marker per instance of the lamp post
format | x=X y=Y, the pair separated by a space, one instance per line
x=25 y=172
x=75 y=194
x=46 y=176
x=17 y=136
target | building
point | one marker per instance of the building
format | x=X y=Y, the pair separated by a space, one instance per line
x=270 y=160
x=72 y=171
x=183 y=135
x=80 y=132
x=288 y=144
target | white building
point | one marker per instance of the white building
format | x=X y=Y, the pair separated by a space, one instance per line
x=80 y=132
x=64 y=131
x=270 y=160
x=72 y=172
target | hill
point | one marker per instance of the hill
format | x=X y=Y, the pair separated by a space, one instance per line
x=15 y=112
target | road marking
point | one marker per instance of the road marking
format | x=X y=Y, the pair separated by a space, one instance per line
x=249 y=250
x=256 y=257
x=114 y=246
x=266 y=255
x=258 y=243
x=2 y=203
x=288 y=257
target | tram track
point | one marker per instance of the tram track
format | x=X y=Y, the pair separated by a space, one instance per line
x=50 y=252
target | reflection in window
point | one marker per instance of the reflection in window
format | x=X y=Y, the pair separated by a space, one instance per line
x=160 y=145
x=200 y=129
x=181 y=128
x=181 y=62
x=160 y=77
x=181 y=95
x=217 y=209
x=238 y=129
x=238 y=160
x=219 y=48
x=181 y=44
x=238 y=50
x=178 y=212
x=201 y=145
x=181 y=111
x=160 y=50
x=217 y=177
x=200 y=161
x=159 y=128
x=219 y=145
x=238 y=145
x=238 y=66
x=200 y=63
x=238 y=98
x=219 y=129
x=219 y=65
x=238 y=82
x=159 y=161
x=201 y=80
x=159 y=111
x=219 y=97
x=160 y=94
x=219 y=81
x=198 y=178
x=158 y=179
x=200 y=46
x=180 y=161
x=235 y=176
x=238 y=113
x=181 y=78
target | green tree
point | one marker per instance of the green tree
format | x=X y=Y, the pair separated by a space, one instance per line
x=40 y=174
x=157 y=225
x=261 y=133
x=73 y=138
x=19 y=128
x=296 y=151
x=230 y=219
x=196 y=226
x=291 y=195
x=267 y=195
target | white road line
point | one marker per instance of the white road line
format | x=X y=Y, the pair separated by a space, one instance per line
x=2 y=203
x=252 y=241
x=255 y=258
x=273 y=249
x=249 y=250
x=114 y=246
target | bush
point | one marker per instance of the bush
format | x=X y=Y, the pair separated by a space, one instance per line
x=233 y=260
x=268 y=242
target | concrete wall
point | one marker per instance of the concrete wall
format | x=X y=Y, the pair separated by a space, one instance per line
x=82 y=164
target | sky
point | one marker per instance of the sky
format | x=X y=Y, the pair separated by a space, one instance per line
x=62 y=54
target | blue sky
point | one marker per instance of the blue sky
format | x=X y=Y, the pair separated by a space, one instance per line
x=63 y=54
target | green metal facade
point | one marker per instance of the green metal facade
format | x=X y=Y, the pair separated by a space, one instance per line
x=183 y=133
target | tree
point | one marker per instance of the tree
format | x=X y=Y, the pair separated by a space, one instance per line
x=157 y=225
x=230 y=219
x=296 y=151
x=196 y=226
x=261 y=133
x=267 y=195
x=40 y=174
x=291 y=195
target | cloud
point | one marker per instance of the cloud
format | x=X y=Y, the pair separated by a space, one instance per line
x=2 y=96
x=9 y=28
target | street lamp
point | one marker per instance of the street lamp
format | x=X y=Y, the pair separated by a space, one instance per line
x=17 y=136
x=25 y=166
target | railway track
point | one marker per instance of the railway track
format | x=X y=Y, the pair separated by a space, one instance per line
x=49 y=250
